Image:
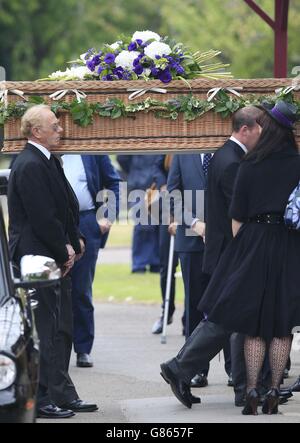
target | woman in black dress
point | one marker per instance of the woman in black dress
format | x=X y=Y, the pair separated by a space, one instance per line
x=255 y=288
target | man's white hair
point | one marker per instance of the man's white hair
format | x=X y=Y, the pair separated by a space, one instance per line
x=33 y=118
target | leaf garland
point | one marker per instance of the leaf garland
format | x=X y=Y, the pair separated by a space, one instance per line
x=189 y=106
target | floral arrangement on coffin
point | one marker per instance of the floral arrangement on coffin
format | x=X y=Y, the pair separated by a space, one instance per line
x=145 y=56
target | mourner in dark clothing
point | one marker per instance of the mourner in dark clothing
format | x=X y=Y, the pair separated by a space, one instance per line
x=43 y=220
x=255 y=288
x=209 y=339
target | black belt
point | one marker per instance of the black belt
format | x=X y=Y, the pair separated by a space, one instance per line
x=271 y=219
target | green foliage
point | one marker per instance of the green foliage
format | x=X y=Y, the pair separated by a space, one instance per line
x=191 y=107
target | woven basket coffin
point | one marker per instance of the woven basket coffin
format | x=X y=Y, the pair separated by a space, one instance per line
x=143 y=133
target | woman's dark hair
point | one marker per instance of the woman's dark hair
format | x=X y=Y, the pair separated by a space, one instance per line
x=273 y=138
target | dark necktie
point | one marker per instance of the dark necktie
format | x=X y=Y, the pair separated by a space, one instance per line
x=206 y=161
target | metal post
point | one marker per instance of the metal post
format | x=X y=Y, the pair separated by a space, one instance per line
x=280 y=28
x=168 y=290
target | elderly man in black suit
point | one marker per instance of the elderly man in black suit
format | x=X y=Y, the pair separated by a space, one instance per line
x=208 y=338
x=43 y=220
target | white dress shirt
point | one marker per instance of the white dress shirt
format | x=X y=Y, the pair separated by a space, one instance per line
x=41 y=148
x=75 y=173
x=239 y=143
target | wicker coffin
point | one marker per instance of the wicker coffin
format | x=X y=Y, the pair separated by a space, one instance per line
x=145 y=132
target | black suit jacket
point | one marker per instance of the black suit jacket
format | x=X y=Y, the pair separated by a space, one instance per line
x=43 y=210
x=221 y=177
x=186 y=174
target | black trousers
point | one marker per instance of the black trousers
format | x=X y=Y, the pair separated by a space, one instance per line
x=206 y=341
x=46 y=320
x=164 y=247
x=62 y=389
x=194 y=286
x=195 y=283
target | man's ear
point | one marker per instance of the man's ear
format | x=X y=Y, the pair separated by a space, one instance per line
x=35 y=132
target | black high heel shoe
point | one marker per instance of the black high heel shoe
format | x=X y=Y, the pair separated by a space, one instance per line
x=252 y=401
x=270 y=405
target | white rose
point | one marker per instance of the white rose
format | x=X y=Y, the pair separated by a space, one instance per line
x=126 y=58
x=157 y=48
x=145 y=36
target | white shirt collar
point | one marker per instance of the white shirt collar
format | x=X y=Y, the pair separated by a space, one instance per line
x=41 y=148
x=239 y=143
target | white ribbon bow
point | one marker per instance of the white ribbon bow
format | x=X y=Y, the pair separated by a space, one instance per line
x=213 y=92
x=4 y=94
x=139 y=92
x=288 y=89
x=60 y=94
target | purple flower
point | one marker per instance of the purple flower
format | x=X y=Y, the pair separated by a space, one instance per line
x=100 y=69
x=165 y=76
x=138 y=69
x=108 y=77
x=139 y=41
x=118 y=72
x=137 y=60
x=154 y=72
x=126 y=75
x=132 y=46
x=179 y=69
x=96 y=60
x=158 y=57
x=91 y=65
x=109 y=58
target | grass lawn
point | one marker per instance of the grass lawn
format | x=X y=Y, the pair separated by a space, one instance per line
x=120 y=236
x=116 y=283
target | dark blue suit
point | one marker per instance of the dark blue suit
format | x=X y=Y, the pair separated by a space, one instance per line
x=186 y=173
x=100 y=175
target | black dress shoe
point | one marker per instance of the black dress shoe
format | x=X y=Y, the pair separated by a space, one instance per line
x=285 y=393
x=52 y=411
x=296 y=386
x=180 y=389
x=240 y=402
x=80 y=406
x=230 y=381
x=84 y=361
x=199 y=381
x=157 y=328
x=195 y=400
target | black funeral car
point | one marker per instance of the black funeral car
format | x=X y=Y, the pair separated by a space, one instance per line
x=19 y=345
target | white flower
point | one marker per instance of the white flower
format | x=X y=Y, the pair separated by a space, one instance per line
x=77 y=73
x=126 y=58
x=147 y=72
x=83 y=57
x=146 y=36
x=116 y=45
x=57 y=75
x=157 y=48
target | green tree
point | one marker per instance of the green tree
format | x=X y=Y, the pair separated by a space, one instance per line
x=38 y=37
